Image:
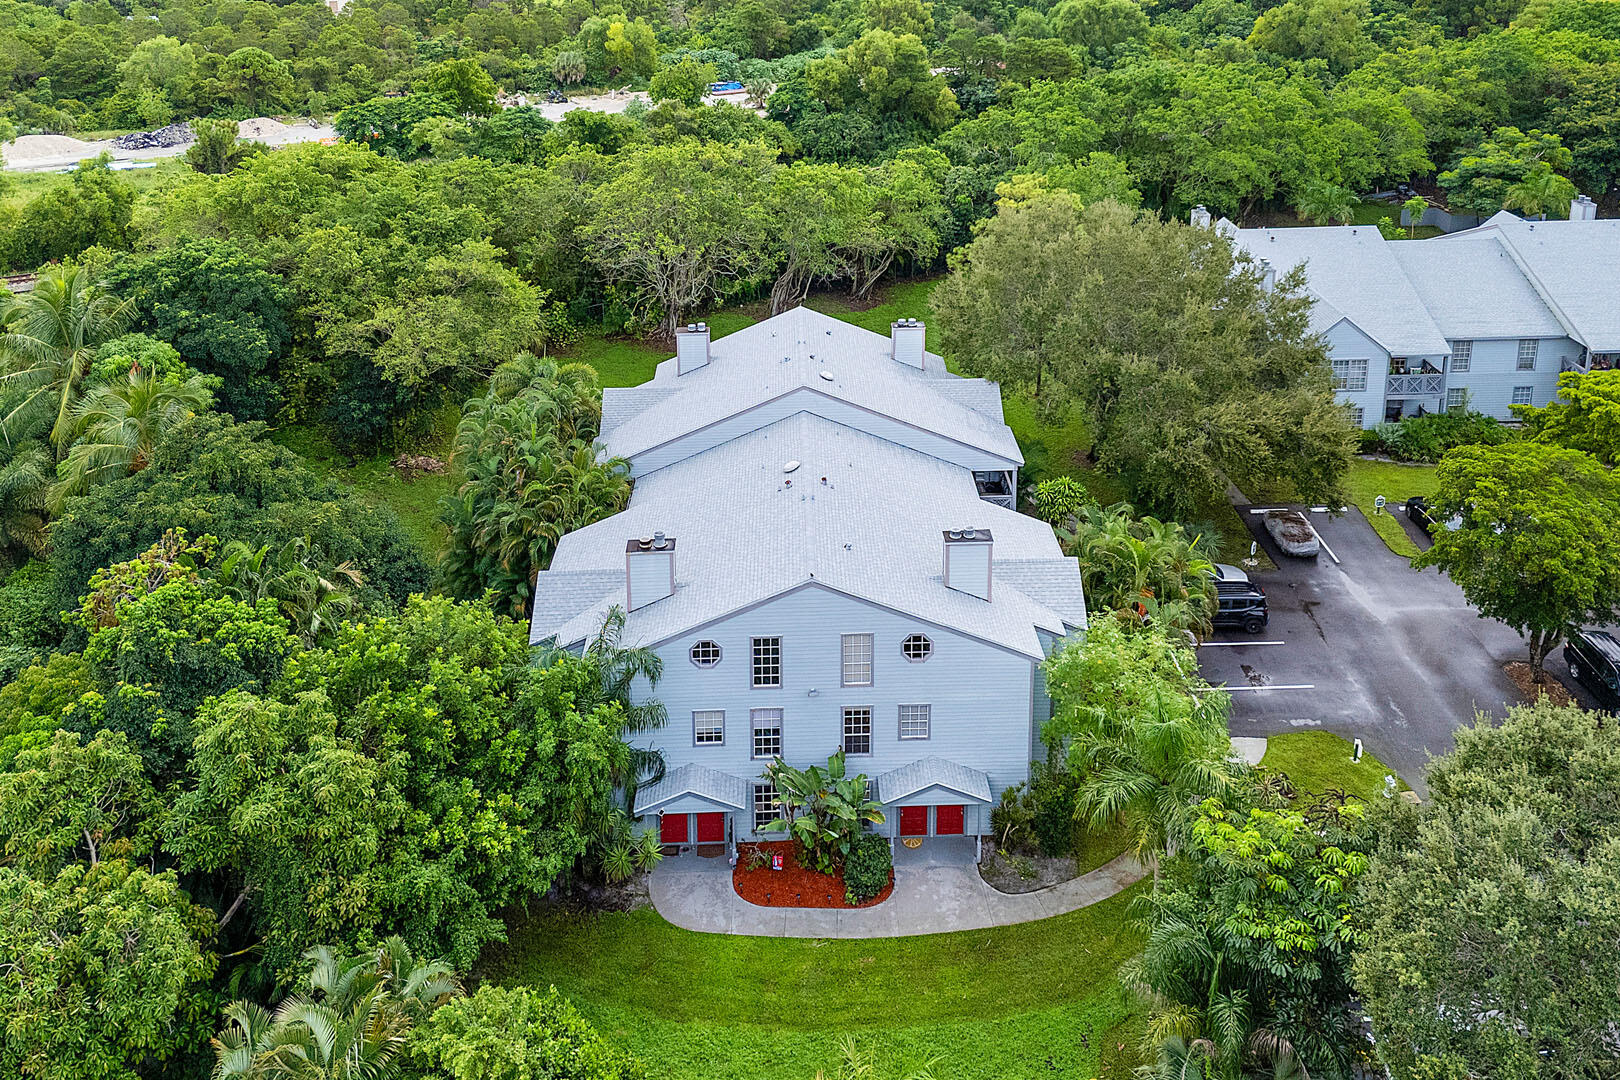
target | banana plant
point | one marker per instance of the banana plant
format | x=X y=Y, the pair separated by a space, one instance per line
x=823 y=809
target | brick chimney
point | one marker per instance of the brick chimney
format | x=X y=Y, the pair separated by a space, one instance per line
x=649 y=570
x=967 y=561
x=906 y=338
x=691 y=347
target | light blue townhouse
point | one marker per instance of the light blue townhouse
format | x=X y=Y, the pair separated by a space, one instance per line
x=822 y=549
x=1485 y=318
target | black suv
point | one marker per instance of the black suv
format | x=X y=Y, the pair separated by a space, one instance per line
x=1240 y=602
x=1594 y=661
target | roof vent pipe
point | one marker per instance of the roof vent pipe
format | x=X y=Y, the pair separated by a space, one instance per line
x=906 y=337
x=691 y=347
x=968 y=561
x=649 y=570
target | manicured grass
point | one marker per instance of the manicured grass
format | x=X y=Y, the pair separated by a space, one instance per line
x=1038 y=999
x=1318 y=760
x=1368 y=479
x=375 y=480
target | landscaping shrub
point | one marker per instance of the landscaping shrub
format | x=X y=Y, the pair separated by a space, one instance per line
x=1427 y=438
x=866 y=870
x=29 y=614
x=1052 y=791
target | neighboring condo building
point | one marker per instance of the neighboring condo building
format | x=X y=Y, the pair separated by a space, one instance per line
x=822 y=550
x=1487 y=318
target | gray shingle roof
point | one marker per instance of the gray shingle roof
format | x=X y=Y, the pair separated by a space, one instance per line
x=717 y=787
x=929 y=772
x=1351 y=270
x=1573 y=265
x=790 y=352
x=567 y=594
x=1475 y=289
x=872 y=530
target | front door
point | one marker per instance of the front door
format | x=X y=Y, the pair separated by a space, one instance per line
x=672 y=828
x=914 y=821
x=948 y=820
x=711 y=828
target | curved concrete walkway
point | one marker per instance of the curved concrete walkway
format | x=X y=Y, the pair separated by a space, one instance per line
x=696 y=894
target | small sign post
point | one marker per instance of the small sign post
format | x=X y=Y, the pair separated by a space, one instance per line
x=776 y=862
x=1378 y=504
x=1355 y=754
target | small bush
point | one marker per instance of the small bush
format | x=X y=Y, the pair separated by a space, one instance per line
x=1012 y=820
x=1052 y=791
x=29 y=616
x=866 y=869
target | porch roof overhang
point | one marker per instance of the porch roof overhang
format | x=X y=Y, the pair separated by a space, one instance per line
x=932 y=772
x=721 y=790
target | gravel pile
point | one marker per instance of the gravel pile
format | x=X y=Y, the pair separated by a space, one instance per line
x=173 y=135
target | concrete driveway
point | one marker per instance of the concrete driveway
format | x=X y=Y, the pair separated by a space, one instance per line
x=1370 y=648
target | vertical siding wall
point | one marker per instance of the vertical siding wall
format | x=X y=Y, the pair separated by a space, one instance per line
x=1492 y=373
x=980 y=694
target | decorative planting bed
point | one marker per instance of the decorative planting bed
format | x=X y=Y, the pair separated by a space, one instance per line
x=793 y=885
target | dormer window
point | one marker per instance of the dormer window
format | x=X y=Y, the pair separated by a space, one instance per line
x=705 y=654
x=917 y=648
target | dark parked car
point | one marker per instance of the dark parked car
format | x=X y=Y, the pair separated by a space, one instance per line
x=1593 y=657
x=1240 y=602
x=1418 y=509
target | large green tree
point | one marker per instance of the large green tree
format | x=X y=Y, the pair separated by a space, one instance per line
x=1485 y=177
x=1489 y=910
x=1584 y=416
x=517 y=1034
x=1538 y=546
x=1191 y=373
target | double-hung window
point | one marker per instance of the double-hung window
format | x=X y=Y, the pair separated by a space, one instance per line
x=1456 y=399
x=1462 y=355
x=709 y=727
x=1358 y=415
x=1528 y=348
x=858 y=729
x=766 y=805
x=915 y=721
x=767 y=662
x=767 y=727
x=1350 y=374
x=857 y=654
x=1523 y=395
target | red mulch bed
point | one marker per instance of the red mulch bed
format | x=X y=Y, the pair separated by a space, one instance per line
x=793 y=885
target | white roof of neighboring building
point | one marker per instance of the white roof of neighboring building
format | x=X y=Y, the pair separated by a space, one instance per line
x=790 y=352
x=1573 y=265
x=874 y=530
x=1475 y=289
x=1353 y=275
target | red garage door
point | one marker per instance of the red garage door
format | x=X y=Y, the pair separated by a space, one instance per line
x=914 y=821
x=948 y=820
x=672 y=828
x=711 y=828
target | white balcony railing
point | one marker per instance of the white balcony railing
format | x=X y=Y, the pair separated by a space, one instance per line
x=1422 y=385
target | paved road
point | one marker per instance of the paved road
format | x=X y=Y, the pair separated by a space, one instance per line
x=1391 y=655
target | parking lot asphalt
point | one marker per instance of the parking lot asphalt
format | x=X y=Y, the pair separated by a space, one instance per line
x=1371 y=649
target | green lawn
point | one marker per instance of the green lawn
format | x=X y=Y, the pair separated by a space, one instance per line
x=1038 y=999
x=1318 y=760
x=1369 y=479
x=375 y=479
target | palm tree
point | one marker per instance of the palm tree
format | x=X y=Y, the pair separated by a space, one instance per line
x=116 y=425
x=47 y=340
x=351 y=1023
x=1540 y=191
x=618 y=667
x=1324 y=202
x=568 y=67
x=312 y=600
x=25 y=479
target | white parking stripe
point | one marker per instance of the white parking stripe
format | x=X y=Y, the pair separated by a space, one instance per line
x=1295 y=686
x=1325 y=548
x=1231 y=644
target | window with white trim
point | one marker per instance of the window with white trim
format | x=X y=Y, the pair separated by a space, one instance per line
x=858 y=729
x=857 y=651
x=1528 y=348
x=917 y=648
x=1456 y=399
x=1462 y=355
x=1523 y=395
x=767 y=661
x=1350 y=374
x=1357 y=415
x=767 y=728
x=767 y=807
x=916 y=721
x=705 y=653
x=709 y=727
